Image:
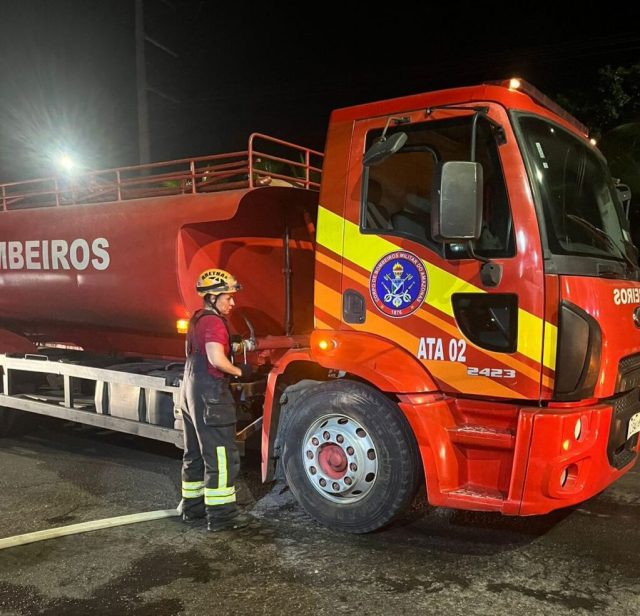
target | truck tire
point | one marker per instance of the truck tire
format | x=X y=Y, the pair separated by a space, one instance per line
x=350 y=457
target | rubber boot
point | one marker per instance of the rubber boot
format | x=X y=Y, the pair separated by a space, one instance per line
x=240 y=520
x=227 y=517
x=192 y=510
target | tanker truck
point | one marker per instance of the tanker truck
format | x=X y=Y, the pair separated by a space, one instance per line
x=448 y=296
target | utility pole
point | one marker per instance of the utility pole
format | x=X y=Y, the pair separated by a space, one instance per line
x=142 y=86
x=144 y=150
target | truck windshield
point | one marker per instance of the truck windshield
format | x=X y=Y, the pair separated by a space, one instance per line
x=580 y=206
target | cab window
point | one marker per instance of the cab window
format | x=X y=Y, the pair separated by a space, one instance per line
x=397 y=193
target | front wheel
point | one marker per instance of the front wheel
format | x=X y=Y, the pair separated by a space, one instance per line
x=350 y=457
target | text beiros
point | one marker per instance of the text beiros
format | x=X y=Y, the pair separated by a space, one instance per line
x=629 y=295
x=78 y=254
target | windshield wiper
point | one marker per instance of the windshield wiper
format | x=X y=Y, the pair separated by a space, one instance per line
x=604 y=236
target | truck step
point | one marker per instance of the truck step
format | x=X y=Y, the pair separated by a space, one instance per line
x=476 y=498
x=480 y=436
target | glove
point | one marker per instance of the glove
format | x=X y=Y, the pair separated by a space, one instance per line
x=247 y=373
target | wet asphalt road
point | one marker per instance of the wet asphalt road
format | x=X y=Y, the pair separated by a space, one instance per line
x=584 y=560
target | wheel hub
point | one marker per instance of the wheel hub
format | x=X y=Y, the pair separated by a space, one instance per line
x=332 y=460
x=340 y=458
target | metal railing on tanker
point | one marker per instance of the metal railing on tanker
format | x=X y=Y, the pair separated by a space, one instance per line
x=266 y=162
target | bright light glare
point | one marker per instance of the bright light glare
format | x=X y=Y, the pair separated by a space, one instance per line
x=66 y=163
x=514 y=83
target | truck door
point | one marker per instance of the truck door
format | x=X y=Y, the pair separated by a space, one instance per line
x=474 y=336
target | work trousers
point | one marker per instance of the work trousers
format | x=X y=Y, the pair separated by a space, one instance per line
x=211 y=461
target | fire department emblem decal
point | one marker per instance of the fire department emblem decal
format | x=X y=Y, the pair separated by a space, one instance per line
x=398 y=284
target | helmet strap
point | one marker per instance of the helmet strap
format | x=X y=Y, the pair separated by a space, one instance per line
x=211 y=300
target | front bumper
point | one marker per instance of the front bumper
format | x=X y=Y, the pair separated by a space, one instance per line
x=575 y=453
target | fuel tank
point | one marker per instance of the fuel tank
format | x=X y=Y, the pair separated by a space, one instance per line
x=116 y=277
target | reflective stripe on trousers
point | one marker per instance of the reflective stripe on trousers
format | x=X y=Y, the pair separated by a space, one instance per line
x=192 y=489
x=223 y=493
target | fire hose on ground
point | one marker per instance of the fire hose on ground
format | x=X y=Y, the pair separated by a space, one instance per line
x=84 y=527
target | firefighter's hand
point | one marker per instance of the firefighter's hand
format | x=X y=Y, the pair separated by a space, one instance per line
x=247 y=373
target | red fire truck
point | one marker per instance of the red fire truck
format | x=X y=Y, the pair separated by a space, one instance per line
x=456 y=301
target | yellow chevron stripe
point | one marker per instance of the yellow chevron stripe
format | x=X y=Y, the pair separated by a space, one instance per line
x=445 y=326
x=453 y=373
x=330 y=230
x=453 y=331
x=365 y=250
x=550 y=347
x=508 y=360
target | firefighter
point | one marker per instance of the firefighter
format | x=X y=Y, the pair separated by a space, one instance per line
x=211 y=461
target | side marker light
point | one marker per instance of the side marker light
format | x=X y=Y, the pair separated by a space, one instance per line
x=326 y=344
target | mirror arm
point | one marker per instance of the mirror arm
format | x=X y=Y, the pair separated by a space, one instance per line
x=398 y=122
x=471 y=250
x=490 y=273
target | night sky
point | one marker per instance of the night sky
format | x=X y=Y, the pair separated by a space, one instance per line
x=68 y=72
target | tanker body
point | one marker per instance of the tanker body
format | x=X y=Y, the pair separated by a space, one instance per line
x=118 y=276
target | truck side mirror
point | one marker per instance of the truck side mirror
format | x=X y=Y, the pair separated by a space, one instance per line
x=456 y=213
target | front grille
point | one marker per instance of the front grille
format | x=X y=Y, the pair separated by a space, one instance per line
x=621 y=450
x=628 y=373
